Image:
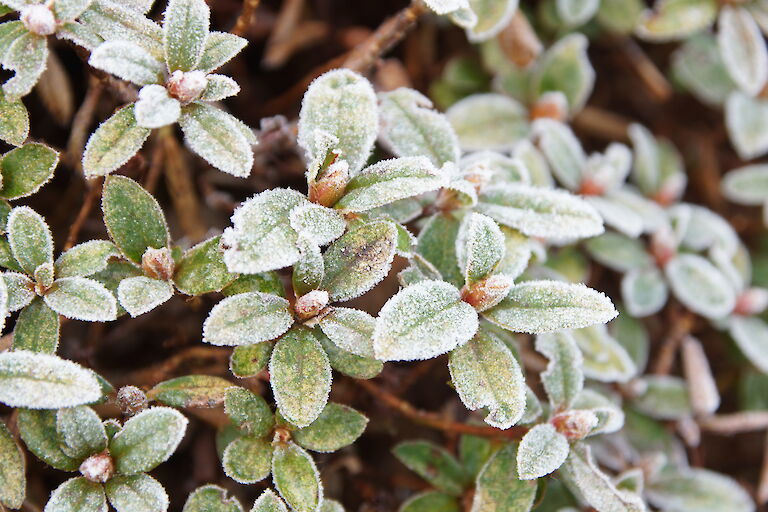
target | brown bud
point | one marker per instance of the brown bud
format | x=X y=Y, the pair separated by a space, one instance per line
x=574 y=424
x=519 y=41
x=158 y=263
x=330 y=185
x=38 y=19
x=186 y=86
x=98 y=468
x=131 y=400
x=551 y=105
x=486 y=293
x=282 y=435
x=311 y=304
x=591 y=187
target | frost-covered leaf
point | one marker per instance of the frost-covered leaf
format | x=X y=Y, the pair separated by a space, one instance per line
x=113 y=143
x=27 y=56
x=492 y=17
x=488 y=121
x=565 y=67
x=747 y=122
x=139 y=295
x=751 y=336
x=248 y=411
x=499 y=486
x=617 y=215
x=700 y=286
x=261 y=237
x=247 y=318
x=699 y=228
x=317 y=223
x=219 y=48
x=644 y=291
x=563 y=379
x=540 y=212
x=185 y=29
x=657 y=168
x=388 y=181
x=486 y=373
x=605 y=359
x=147 y=440
x=77 y=494
x=191 y=391
x=14 y=121
x=662 y=397
x=37 y=328
x=133 y=217
x=211 y=498
x=300 y=376
x=136 y=493
x=336 y=427
x=341 y=103
x=350 y=329
x=68 y=10
x=433 y=464
x=13 y=481
x=248 y=360
x=423 y=321
x=700 y=68
x=581 y=472
x=479 y=246
x=85 y=259
x=702 y=388
x=576 y=12
x=348 y=363
x=219 y=87
x=359 y=260
x=30 y=238
x=248 y=459
x=81 y=298
x=202 y=270
x=618 y=252
x=743 y=47
x=309 y=271
x=80 y=432
x=296 y=477
x=747 y=185
x=268 y=501
x=702 y=490
x=155 y=108
x=446 y=6
x=41 y=381
x=676 y=19
x=26 y=169
x=563 y=151
x=217 y=137
x=127 y=60
x=545 y=306
x=431 y=501
x=610 y=416
x=541 y=451
x=38 y=430
x=21 y=290
x=410 y=127
x=437 y=244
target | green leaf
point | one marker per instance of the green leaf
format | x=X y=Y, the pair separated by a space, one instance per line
x=565 y=67
x=644 y=291
x=563 y=151
x=431 y=501
x=300 y=376
x=220 y=48
x=268 y=501
x=604 y=359
x=348 y=363
x=247 y=318
x=127 y=60
x=136 y=493
x=139 y=295
x=296 y=477
x=618 y=252
x=678 y=490
x=423 y=321
x=21 y=290
x=359 y=260
x=745 y=119
x=388 y=181
x=350 y=329
x=211 y=498
x=486 y=374
x=114 y=274
x=185 y=29
x=751 y=336
x=155 y=108
x=309 y=270
x=248 y=360
x=700 y=286
x=27 y=56
x=41 y=381
x=545 y=306
x=741 y=43
x=191 y=391
x=317 y=223
x=68 y=10
x=80 y=432
x=479 y=246
x=433 y=464
x=85 y=259
x=498 y=486
x=336 y=427
x=676 y=19
x=266 y=282
x=492 y=17
x=563 y=379
x=474 y=452
x=113 y=143
x=249 y=412
x=662 y=397
x=30 y=238
x=38 y=430
x=747 y=185
x=77 y=494
x=248 y=459
x=13 y=481
x=26 y=169
x=539 y=212
x=217 y=137
x=541 y=451
x=699 y=67
x=410 y=127
x=202 y=269
x=488 y=121
x=219 y=87
x=14 y=121
x=81 y=298
x=147 y=440
x=340 y=103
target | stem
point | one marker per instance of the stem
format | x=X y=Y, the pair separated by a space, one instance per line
x=682 y=324
x=246 y=17
x=647 y=71
x=94 y=191
x=435 y=421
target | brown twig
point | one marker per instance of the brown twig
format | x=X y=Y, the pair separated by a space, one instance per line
x=646 y=70
x=82 y=122
x=735 y=423
x=246 y=17
x=166 y=369
x=435 y=421
x=682 y=323
x=602 y=123
x=762 y=485
x=93 y=192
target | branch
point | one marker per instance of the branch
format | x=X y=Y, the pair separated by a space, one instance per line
x=93 y=192
x=245 y=18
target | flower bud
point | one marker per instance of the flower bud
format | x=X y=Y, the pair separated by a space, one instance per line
x=574 y=424
x=551 y=105
x=98 y=468
x=131 y=400
x=663 y=246
x=486 y=293
x=186 y=86
x=311 y=304
x=43 y=278
x=330 y=186
x=752 y=301
x=38 y=19
x=158 y=263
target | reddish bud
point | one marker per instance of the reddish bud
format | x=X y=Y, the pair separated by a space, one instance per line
x=38 y=19
x=574 y=424
x=158 y=263
x=131 y=400
x=591 y=187
x=311 y=304
x=663 y=246
x=186 y=86
x=551 y=105
x=330 y=186
x=486 y=293
x=98 y=468
x=752 y=301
